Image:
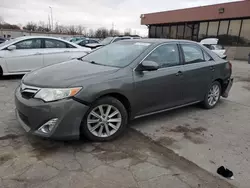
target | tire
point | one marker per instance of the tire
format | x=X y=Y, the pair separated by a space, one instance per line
x=208 y=103
x=98 y=124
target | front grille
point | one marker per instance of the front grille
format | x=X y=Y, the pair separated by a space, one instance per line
x=28 y=91
x=23 y=118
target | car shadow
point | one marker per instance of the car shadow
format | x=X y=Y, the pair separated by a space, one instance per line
x=12 y=77
x=165 y=116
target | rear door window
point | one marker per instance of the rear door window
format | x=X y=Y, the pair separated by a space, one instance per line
x=52 y=43
x=192 y=53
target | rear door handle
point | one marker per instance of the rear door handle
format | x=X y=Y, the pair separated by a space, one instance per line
x=66 y=51
x=179 y=73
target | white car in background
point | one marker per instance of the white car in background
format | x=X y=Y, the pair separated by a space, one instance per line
x=212 y=44
x=24 y=54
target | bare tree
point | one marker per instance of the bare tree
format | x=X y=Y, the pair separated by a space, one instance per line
x=127 y=31
x=91 y=33
x=30 y=26
x=41 y=26
x=80 y=29
x=101 y=33
x=72 y=30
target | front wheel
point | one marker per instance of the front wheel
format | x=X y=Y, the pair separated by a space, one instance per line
x=213 y=95
x=105 y=120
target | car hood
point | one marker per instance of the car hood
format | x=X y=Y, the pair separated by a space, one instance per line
x=66 y=74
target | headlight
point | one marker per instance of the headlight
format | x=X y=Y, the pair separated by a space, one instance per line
x=48 y=94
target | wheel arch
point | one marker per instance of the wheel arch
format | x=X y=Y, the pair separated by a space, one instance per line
x=222 y=84
x=121 y=97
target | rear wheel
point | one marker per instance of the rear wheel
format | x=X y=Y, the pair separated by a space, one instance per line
x=105 y=120
x=213 y=95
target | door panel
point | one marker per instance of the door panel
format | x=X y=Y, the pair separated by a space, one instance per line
x=197 y=73
x=160 y=89
x=53 y=56
x=56 y=51
x=197 y=78
x=27 y=56
x=157 y=90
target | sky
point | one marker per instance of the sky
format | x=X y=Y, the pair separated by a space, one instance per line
x=92 y=13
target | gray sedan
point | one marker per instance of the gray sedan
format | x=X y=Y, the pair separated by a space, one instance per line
x=95 y=96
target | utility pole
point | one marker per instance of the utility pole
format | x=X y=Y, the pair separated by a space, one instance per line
x=113 y=29
x=49 y=26
x=51 y=12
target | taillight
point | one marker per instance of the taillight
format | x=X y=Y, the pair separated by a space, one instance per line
x=230 y=65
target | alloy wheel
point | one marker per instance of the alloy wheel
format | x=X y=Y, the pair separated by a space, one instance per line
x=213 y=95
x=104 y=120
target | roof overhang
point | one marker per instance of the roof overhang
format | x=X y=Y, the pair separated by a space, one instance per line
x=240 y=9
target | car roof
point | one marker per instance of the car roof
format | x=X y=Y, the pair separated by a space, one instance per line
x=31 y=37
x=158 y=41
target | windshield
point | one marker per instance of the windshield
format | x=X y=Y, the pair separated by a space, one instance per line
x=118 y=54
x=106 y=40
x=7 y=42
x=78 y=42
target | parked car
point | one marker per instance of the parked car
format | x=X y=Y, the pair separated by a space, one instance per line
x=2 y=40
x=212 y=44
x=86 y=41
x=24 y=54
x=110 y=40
x=75 y=39
x=96 y=95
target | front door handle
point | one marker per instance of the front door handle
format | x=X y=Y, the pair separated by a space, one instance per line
x=66 y=51
x=212 y=68
x=179 y=73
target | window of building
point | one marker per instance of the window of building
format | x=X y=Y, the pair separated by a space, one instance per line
x=223 y=28
x=203 y=30
x=212 y=29
x=188 y=31
x=180 y=32
x=159 y=32
x=152 y=31
x=166 y=32
x=29 y=44
x=192 y=53
x=245 y=33
x=173 y=32
x=165 y=55
x=233 y=32
x=222 y=34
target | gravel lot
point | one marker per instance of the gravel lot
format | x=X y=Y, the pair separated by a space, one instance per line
x=206 y=138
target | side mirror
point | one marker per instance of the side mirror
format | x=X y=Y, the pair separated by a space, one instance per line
x=12 y=47
x=149 y=66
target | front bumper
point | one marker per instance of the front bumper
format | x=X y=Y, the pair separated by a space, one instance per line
x=33 y=113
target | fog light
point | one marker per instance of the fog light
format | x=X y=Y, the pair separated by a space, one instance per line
x=48 y=127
